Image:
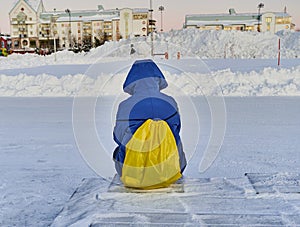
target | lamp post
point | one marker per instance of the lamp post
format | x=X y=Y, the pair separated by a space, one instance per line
x=151 y=23
x=70 y=29
x=260 y=5
x=54 y=17
x=161 y=9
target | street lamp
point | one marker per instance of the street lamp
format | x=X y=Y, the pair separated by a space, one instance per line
x=161 y=9
x=54 y=18
x=151 y=23
x=260 y=5
x=70 y=29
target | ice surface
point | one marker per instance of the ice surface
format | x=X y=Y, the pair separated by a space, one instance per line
x=41 y=166
x=280 y=182
x=223 y=203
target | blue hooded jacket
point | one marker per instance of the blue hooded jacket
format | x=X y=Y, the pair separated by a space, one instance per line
x=144 y=82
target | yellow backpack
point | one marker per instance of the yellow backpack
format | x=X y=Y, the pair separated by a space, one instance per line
x=152 y=159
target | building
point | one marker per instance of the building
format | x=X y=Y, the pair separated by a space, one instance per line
x=275 y=22
x=5 y=42
x=24 y=23
x=269 y=21
x=33 y=27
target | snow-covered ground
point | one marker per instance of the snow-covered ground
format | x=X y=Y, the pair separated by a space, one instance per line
x=241 y=63
x=40 y=163
x=230 y=77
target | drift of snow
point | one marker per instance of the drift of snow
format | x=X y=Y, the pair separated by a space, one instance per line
x=189 y=42
x=17 y=80
x=267 y=82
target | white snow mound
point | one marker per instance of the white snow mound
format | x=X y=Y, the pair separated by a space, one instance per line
x=261 y=79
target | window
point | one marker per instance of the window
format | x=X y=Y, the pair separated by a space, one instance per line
x=278 y=21
x=16 y=43
x=268 y=19
x=25 y=42
x=283 y=20
x=139 y=16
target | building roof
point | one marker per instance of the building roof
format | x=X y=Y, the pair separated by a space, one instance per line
x=217 y=19
x=4 y=37
x=282 y=14
x=231 y=18
x=83 y=15
x=140 y=10
x=34 y=4
x=223 y=22
x=221 y=17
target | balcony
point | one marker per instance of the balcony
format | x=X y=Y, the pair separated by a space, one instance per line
x=86 y=26
x=45 y=28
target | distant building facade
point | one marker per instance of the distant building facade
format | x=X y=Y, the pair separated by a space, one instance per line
x=33 y=27
x=5 y=42
x=270 y=21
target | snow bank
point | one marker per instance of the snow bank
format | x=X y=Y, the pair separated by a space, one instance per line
x=259 y=78
x=267 y=82
x=209 y=44
x=189 y=42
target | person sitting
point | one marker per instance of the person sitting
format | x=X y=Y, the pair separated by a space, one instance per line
x=147 y=131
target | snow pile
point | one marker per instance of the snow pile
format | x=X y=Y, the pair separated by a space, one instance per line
x=209 y=44
x=189 y=42
x=249 y=71
x=41 y=85
x=268 y=82
x=32 y=60
x=290 y=44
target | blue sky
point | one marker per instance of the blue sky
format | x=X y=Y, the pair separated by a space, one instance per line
x=175 y=10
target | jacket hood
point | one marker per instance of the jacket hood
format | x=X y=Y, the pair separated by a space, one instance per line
x=144 y=74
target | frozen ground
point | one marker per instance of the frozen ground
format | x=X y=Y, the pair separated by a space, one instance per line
x=41 y=166
x=252 y=200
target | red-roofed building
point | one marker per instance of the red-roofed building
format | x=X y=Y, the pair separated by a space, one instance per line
x=5 y=42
